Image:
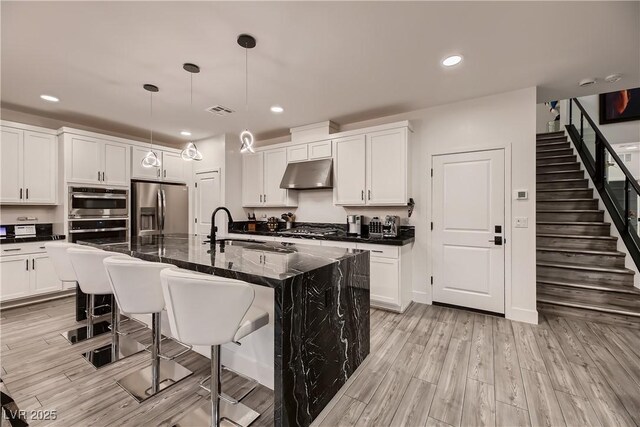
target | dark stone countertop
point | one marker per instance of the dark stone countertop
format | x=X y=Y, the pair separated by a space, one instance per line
x=405 y=237
x=27 y=239
x=269 y=264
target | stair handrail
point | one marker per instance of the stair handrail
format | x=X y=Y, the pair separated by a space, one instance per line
x=595 y=164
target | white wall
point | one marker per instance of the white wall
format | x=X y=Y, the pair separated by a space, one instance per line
x=505 y=120
x=543 y=117
x=616 y=133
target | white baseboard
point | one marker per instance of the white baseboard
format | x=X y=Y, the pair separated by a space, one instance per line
x=522 y=315
x=422 y=297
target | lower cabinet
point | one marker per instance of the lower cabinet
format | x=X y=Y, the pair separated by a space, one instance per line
x=26 y=274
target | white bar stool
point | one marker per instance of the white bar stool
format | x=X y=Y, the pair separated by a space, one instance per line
x=196 y=301
x=93 y=280
x=136 y=286
x=58 y=255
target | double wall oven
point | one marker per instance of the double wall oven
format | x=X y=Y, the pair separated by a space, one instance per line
x=96 y=213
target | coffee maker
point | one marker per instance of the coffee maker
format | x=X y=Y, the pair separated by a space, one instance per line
x=354 y=225
x=391 y=226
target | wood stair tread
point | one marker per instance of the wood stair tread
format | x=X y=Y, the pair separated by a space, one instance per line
x=567 y=210
x=566 y=180
x=552 y=172
x=571 y=223
x=565 y=200
x=581 y=251
x=603 y=287
x=576 y=236
x=572 y=266
x=559 y=298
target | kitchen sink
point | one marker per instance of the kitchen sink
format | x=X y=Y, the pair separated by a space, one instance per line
x=235 y=242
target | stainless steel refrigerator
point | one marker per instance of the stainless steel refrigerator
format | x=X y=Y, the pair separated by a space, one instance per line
x=159 y=208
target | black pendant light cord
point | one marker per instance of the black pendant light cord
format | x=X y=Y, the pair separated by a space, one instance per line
x=151 y=118
x=246 y=84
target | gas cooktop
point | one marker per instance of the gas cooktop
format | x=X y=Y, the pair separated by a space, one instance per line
x=310 y=231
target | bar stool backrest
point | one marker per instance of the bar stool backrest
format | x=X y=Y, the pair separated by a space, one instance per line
x=136 y=284
x=58 y=255
x=204 y=309
x=90 y=273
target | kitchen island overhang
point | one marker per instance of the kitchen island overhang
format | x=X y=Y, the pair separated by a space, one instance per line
x=320 y=308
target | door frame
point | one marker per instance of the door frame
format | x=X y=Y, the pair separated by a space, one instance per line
x=195 y=193
x=507 y=215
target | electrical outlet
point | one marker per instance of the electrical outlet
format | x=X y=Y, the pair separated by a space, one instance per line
x=522 y=222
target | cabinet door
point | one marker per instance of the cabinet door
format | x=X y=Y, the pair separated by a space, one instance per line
x=11 y=153
x=252 y=180
x=86 y=160
x=384 y=281
x=14 y=275
x=297 y=153
x=43 y=276
x=116 y=164
x=275 y=163
x=40 y=167
x=140 y=172
x=173 y=167
x=387 y=167
x=319 y=150
x=349 y=171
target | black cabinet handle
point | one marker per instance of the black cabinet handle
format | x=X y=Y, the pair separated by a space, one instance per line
x=27 y=194
x=165 y=173
x=362 y=195
x=369 y=194
x=12 y=250
x=21 y=194
x=27 y=264
x=33 y=263
x=98 y=175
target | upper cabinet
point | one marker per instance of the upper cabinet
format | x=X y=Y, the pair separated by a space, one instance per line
x=261 y=176
x=311 y=151
x=28 y=166
x=91 y=160
x=172 y=167
x=372 y=169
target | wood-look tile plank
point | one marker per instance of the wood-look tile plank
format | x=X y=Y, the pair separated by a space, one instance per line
x=434 y=354
x=448 y=399
x=479 y=404
x=528 y=352
x=560 y=373
x=501 y=326
x=508 y=379
x=571 y=345
x=481 y=358
x=463 y=327
x=345 y=413
x=448 y=315
x=544 y=408
x=415 y=404
x=411 y=317
x=511 y=416
x=608 y=408
x=620 y=348
x=432 y=422
x=629 y=336
x=577 y=410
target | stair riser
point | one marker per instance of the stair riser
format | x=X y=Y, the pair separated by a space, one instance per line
x=578 y=230
x=567 y=205
x=563 y=185
x=582 y=259
x=569 y=194
x=552 y=145
x=549 y=153
x=559 y=175
x=589 y=315
x=544 y=142
x=569 y=243
x=570 y=216
x=549 y=134
x=558 y=167
x=574 y=275
x=559 y=159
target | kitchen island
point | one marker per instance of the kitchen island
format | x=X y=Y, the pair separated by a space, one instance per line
x=320 y=308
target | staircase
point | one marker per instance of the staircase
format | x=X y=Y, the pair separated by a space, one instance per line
x=580 y=273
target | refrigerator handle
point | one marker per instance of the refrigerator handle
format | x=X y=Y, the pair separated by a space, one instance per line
x=164 y=208
x=159 y=210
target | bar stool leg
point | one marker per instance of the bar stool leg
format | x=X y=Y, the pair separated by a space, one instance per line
x=156 y=328
x=216 y=386
x=91 y=328
x=90 y=303
x=115 y=328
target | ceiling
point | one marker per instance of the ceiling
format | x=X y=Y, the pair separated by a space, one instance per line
x=344 y=61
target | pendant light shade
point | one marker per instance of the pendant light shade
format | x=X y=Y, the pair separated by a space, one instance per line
x=151 y=160
x=246 y=137
x=191 y=152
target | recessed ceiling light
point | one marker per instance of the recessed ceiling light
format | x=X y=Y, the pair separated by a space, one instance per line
x=587 y=82
x=49 y=98
x=452 y=60
x=613 y=78
x=276 y=109
x=185 y=133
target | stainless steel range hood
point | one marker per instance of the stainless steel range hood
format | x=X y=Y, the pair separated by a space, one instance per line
x=314 y=174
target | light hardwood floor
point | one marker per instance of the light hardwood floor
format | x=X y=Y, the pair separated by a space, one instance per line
x=431 y=366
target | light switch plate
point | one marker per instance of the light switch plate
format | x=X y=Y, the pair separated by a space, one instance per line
x=522 y=222
x=522 y=194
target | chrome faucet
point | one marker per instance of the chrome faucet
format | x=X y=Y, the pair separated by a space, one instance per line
x=214 y=229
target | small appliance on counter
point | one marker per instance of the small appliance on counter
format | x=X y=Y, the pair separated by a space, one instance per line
x=375 y=228
x=24 y=230
x=251 y=225
x=289 y=218
x=354 y=225
x=391 y=226
x=272 y=224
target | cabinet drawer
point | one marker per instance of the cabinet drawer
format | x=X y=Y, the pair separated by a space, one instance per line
x=22 y=248
x=297 y=153
x=319 y=150
x=380 y=251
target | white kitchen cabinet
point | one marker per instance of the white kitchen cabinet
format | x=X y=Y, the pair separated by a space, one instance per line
x=173 y=167
x=140 y=172
x=349 y=170
x=14 y=275
x=297 y=153
x=384 y=280
x=319 y=150
x=262 y=173
x=28 y=163
x=90 y=160
x=372 y=169
x=43 y=276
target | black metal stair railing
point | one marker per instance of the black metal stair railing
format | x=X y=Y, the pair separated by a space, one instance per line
x=618 y=188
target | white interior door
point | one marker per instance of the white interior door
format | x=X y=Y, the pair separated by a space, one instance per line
x=207 y=200
x=468 y=214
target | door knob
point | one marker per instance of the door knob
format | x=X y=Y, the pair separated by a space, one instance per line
x=497 y=240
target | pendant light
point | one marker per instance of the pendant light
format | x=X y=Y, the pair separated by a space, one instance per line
x=151 y=160
x=246 y=137
x=191 y=151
